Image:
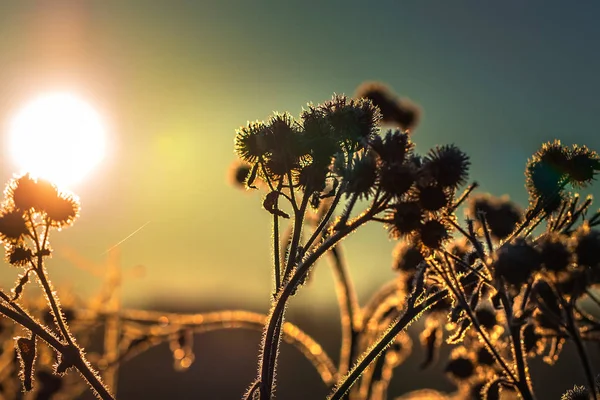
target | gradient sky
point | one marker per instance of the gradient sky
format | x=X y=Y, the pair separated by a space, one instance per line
x=174 y=79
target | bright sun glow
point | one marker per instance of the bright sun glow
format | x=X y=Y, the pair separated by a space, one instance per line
x=57 y=137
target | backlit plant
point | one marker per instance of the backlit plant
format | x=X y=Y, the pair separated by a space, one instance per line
x=499 y=284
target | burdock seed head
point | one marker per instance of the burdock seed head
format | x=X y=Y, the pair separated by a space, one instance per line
x=586 y=246
x=516 y=262
x=433 y=233
x=406 y=257
x=433 y=197
x=393 y=110
x=447 y=165
x=556 y=256
x=250 y=141
x=13 y=226
x=404 y=218
x=460 y=368
x=583 y=164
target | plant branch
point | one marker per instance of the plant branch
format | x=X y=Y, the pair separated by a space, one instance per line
x=280 y=304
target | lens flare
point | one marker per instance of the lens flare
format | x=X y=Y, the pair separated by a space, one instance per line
x=57 y=137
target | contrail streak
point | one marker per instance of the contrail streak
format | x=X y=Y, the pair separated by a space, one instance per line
x=128 y=236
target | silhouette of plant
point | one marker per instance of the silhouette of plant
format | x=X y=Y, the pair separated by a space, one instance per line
x=503 y=286
x=491 y=286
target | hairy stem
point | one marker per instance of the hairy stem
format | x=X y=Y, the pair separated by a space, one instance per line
x=276 y=315
x=581 y=351
x=522 y=384
x=80 y=363
x=411 y=314
x=71 y=348
x=349 y=309
x=326 y=218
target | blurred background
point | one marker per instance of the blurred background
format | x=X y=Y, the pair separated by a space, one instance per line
x=172 y=80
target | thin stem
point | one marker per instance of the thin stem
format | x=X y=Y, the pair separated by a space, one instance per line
x=269 y=345
x=384 y=341
x=326 y=218
x=463 y=196
x=298 y=222
x=585 y=360
x=467 y=266
x=250 y=394
x=34 y=231
x=411 y=314
x=84 y=368
x=276 y=256
x=349 y=309
x=292 y=195
x=522 y=383
x=78 y=358
x=58 y=316
x=346 y=214
x=455 y=287
x=486 y=232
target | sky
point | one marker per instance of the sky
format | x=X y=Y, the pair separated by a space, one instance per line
x=174 y=79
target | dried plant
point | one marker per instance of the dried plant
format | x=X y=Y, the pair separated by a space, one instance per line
x=501 y=286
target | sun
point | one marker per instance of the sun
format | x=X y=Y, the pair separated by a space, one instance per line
x=58 y=137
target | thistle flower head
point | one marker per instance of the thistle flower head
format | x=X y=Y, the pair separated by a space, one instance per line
x=460 y=367
x=486 y=318
x=238 y=174
x=433 y=197
x=312 y=177
x=361 y=175
x=250 y=141
x=556 y=256
x=433 y=233
x=404 y=218
x=577 y=393
x=406 y=257
x=447 y=165
x=582 y=166
x=586 y=243
x=318 y=135
x=283 y=137
x=354 y=121
x=18 y=255
x=26 y=192
x=396 y=179
x=393 y=110
x=546 y=174
x=394 y=147
x=62 y=210
x=501 y=215
x=13 y=227
x=516 y=262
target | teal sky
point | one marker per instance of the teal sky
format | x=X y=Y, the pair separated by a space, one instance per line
x=174 y=79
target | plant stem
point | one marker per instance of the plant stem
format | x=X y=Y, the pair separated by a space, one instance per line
x=326 y=218
x=349 y=309
x=298 y=222
x=80 y=363
x=56 y=311
x=411 y=314
x=522 y=383
x=395 y=328
x=585 y=361
x=276 y=256
x=71 y=348
x=270 y=342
